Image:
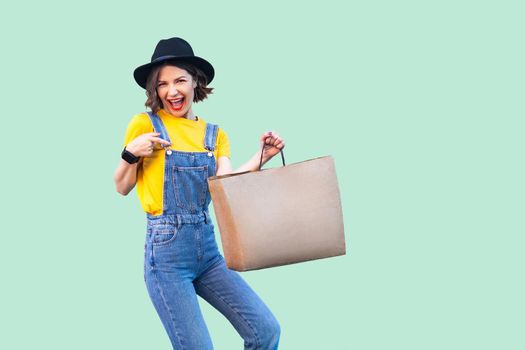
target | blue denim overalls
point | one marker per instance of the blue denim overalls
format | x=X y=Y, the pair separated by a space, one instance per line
x=182 y=259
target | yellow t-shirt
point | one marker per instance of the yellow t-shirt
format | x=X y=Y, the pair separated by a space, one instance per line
x=185 y=135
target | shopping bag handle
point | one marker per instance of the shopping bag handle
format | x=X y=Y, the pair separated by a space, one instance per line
x=262 y=151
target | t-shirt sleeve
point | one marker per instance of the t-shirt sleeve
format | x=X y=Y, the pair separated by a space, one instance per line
x=223 y=144
x=139 y=124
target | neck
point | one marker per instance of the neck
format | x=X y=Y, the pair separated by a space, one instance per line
x=190 y=115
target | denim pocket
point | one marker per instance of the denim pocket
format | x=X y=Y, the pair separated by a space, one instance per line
x=162 y=233
x=190 y=185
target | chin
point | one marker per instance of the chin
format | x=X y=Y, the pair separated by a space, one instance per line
x=180 y=113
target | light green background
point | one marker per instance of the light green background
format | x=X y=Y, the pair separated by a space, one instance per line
x=419 y=102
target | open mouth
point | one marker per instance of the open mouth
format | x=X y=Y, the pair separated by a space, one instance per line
x=177 y=103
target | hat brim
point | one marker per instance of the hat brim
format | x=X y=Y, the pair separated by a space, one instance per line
x=141 y=73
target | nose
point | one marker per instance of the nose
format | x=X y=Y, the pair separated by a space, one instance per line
x=173 y=90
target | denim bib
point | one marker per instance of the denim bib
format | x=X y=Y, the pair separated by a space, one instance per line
x=185 y=191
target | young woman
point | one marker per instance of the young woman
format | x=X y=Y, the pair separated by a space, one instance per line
x=169 y=154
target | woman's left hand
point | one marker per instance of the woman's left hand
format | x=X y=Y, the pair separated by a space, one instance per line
x=273 y=144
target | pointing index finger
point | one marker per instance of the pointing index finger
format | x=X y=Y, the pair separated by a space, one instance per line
x=159 y=140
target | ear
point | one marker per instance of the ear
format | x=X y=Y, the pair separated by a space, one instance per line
x=194 y=84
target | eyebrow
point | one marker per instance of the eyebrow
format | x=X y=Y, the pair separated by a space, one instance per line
x=182 y=76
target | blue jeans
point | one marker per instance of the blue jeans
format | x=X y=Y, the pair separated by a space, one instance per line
x=182 y=261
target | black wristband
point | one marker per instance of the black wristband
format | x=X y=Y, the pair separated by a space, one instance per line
x=129 y=157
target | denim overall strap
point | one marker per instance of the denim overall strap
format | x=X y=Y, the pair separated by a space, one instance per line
x=159 y=126
x=211 y=136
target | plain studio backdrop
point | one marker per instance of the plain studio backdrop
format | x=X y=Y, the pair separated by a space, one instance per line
x=419 y=102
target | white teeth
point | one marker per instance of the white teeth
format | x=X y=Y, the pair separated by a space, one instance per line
x=177 y=103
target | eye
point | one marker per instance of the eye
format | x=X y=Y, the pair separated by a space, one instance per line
x=161 y=84
x=181 y=80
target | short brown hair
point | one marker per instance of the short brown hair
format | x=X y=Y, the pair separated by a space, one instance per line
x=201 y=91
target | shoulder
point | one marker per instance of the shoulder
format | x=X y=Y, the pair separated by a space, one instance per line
x=222 y=141
x=223 y=144
x=138 y=125
x=221 y=134
x=220 y=131
x=140 y=121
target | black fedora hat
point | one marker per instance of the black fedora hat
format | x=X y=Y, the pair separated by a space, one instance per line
x=173 y=49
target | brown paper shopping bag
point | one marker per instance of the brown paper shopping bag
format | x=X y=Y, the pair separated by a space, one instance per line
x=279 y=216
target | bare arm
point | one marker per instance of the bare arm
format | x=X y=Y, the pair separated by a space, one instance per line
x=125 y=177
x=224 y=165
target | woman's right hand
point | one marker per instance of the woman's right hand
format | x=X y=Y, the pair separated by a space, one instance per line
x=143 y=145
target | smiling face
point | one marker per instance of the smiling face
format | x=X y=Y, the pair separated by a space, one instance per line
x=175 y=88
